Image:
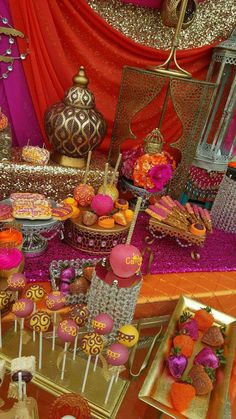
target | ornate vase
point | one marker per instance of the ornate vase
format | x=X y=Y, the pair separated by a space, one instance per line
x=74 y=126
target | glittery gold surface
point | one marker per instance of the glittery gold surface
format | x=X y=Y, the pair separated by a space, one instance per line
x=214 y=22
x=53 y=181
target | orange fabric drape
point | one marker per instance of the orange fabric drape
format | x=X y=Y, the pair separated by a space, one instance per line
x=64 y=34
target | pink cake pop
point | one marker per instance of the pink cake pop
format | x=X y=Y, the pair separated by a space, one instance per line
x=67 y=332
x=54 y=302
x=125 y=260
x=103 y=325
x=117 y=355
x=16 y=282
x=22 y=309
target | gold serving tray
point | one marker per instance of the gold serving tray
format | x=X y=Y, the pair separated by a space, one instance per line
x=49 y=377
x=156 y=387
x=156 y=226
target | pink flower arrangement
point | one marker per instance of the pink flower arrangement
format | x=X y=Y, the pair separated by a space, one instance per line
x=160 y=176
x=129 y=158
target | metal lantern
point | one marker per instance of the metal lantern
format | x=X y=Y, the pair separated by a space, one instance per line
x=214 y=152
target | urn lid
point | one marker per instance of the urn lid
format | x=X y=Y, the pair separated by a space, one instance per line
x=78 y=95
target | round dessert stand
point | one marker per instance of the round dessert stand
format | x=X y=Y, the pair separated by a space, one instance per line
x=35 y=243
x=128 y=186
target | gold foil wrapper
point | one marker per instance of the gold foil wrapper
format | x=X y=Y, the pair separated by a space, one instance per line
x=54 y=181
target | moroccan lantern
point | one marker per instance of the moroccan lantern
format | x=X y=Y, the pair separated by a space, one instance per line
x=74 y=126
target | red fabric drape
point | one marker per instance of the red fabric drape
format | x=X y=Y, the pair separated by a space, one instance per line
x=64 y=34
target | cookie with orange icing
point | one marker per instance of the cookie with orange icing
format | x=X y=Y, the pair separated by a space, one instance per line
x=198 y=229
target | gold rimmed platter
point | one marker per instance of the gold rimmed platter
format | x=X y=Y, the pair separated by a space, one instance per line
x=156 y=387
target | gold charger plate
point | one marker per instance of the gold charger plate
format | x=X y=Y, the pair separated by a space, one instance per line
x=156 y=387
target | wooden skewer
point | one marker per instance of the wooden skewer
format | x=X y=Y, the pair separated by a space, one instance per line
x=133 y=222
x=87 y=167
x=116 y=169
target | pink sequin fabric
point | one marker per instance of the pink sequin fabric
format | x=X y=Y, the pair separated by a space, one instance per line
x=169 y=257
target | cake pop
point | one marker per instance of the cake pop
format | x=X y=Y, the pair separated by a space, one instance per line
x=103 y=325
x=35 y=293
x=22 y=309
x=125 y=260
x=54 y=302
x=84 y=193
x=40 y=322
x=80 y=314
x=117 y=355
x=67 y=331
x=16 y=282
x=91 y=344
x=102 y=204
x=5 y=297
x=128 y=335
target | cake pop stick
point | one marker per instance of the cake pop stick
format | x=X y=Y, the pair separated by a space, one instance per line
x=116 y=169
x=67 y=332
x=91 y=344
x=105 y=178
x=117 y=355
x=16 y=282
x=35 y=293
x=22 y=309
x=87 y=167
x=133 y=222
x=75 y=347
x=5 y=297
x=40 y=322
x=117 y=374
x=54 y=302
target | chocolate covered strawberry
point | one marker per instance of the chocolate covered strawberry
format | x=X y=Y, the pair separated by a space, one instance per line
x=207 y=358
x=188 y=324
x=213 y=336
x=177 y=363
x=185 y=343
x=181 y=395
x=201 y=380
x=204 y=318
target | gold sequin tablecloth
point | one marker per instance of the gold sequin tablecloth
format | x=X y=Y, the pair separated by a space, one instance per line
x=54 y=181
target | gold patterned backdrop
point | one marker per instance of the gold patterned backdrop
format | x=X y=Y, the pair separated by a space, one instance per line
x=215 y=21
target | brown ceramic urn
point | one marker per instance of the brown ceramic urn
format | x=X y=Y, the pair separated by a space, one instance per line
x=74 y=126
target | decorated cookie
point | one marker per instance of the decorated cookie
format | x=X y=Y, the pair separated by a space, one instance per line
x=62 y=212
x=106 y=222
x=5 y=212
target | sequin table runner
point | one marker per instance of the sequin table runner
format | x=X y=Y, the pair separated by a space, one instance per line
x=218 y=254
